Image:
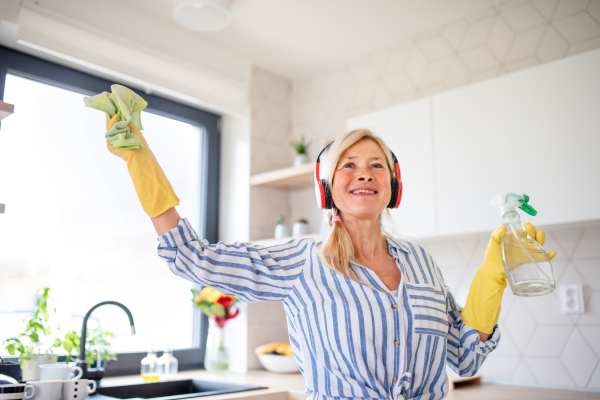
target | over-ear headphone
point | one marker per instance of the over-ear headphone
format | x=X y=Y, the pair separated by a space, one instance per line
x=323 y=191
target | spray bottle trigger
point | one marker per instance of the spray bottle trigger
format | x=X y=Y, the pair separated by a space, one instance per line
x=526 y=207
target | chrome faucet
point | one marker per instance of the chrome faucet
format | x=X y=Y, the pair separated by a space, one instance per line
x=98 y=372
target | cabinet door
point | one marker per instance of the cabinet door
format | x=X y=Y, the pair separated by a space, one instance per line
x=535 y=131
x=406 y=129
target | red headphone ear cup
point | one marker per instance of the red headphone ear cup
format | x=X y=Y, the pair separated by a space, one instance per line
x=399 y=194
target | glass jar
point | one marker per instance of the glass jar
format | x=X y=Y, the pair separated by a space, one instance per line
x=216 y=358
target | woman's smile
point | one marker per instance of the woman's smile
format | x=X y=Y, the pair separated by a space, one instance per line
x=363 y=191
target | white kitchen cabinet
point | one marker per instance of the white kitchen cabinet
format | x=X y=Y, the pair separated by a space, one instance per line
x=407 y=130
x=536 y=131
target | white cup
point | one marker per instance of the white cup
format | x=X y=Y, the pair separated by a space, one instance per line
x=60 y=372
x=77 y=390
x=16 y=392
x=47 y=390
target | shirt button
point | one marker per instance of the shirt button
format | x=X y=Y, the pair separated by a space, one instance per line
x=395 y=379
x=396 y=342
x=394 y=306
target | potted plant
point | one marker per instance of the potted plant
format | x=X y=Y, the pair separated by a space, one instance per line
x=300 y=228
x=281 y=230
x=217 y=306
x=301 y=148
x=97 y=347
x=34 y=345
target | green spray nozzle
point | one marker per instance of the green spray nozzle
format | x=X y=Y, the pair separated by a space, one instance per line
x=526 y=207
x=511 y=201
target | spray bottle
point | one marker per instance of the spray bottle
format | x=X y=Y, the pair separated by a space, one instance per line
x=526 y=263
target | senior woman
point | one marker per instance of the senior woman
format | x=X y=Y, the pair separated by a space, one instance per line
x=369 y=315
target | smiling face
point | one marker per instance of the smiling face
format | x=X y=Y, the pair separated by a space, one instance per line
x=361 y=182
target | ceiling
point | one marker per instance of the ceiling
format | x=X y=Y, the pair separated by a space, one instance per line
x=289 y=37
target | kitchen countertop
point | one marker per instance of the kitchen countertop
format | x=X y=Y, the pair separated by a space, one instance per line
x=277 y=383
x=291 y=387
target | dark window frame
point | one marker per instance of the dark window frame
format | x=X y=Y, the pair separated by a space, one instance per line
x=30 y=67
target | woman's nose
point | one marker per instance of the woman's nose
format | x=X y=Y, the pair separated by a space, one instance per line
x=364 y=176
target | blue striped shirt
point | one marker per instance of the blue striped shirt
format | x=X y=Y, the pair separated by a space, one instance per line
x=351 y=340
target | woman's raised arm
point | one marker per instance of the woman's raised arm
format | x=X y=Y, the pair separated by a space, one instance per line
x=166 y=221
x=249 y=272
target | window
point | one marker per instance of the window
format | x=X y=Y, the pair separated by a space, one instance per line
x=73 y=221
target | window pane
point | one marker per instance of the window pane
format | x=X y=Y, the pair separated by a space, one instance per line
x=74 y=223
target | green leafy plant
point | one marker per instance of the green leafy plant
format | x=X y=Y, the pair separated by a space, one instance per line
x=302 y=221
x=279 y=218
x=34 y=339
x=300 y=145
x=97 y=340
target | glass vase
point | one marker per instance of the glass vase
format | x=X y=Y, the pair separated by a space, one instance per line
x=216 y=358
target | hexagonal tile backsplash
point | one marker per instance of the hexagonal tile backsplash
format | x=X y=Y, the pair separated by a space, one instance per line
x=540 y=345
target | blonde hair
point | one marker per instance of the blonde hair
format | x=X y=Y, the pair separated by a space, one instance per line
x=337 y=250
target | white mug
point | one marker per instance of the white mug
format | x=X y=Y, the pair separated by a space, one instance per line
x=77 y=390
x=16 y=392
x=47 y=390
x=62 y=372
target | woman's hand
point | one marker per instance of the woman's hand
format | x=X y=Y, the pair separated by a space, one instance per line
x=151 y=184
x=485 y=296
x=125 y=154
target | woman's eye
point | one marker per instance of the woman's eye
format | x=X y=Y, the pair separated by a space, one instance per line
x=377 y=166
x=348 y=165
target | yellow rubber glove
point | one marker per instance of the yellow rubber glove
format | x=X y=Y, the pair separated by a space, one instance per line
x=485 y=296
x=151 y=184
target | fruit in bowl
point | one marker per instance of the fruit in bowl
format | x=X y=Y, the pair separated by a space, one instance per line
x=277 y=357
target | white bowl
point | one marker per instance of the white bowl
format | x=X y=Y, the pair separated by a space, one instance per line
x=279 y=363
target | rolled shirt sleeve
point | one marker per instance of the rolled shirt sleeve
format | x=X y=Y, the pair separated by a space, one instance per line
x=465 y=352
x=251 y=273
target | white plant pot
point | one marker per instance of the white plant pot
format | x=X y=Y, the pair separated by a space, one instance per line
x=282 y=231
x=300 y=228
x=301 y=159
x=31 y=368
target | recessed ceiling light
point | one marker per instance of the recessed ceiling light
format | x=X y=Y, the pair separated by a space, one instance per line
x=203 y=15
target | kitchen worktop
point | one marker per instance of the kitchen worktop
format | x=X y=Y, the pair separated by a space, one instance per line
x=291 y=387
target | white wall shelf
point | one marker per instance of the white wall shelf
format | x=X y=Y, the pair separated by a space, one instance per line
x=6 y=109
x=273 y=242
x=292 y=178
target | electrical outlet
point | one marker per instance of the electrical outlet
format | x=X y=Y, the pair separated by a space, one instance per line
x=571 y=299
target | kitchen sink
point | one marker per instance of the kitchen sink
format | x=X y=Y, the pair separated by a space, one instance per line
x=180 y=389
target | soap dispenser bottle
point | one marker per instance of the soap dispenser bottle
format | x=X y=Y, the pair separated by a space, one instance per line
x=526 y=263
x=168 y=365
x=149 y=367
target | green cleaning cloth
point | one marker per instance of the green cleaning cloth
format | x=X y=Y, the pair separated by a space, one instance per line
x=129 y=106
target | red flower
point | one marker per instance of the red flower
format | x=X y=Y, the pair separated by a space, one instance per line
x=225 y=301
x=221 y=321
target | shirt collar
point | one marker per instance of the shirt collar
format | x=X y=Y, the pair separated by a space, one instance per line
x=398 y=244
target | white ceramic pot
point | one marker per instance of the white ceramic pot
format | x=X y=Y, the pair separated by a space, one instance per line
x=31 y=368
x=282 y=231
x=301 y=159
x=300 y=228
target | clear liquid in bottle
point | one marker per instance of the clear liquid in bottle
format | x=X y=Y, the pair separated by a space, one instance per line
x=526 y=264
